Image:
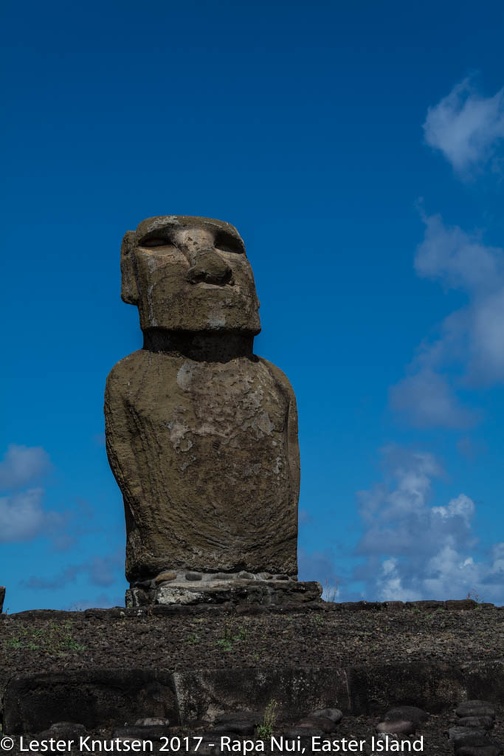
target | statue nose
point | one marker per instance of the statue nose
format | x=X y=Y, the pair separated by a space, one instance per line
x=209 y=267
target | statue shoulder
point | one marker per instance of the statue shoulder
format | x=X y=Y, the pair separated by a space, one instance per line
x=123 y=369
x=279 y=377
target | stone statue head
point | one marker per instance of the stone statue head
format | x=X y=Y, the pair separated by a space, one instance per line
x=189 y=274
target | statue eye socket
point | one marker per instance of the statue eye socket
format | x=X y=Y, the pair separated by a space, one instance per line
x=229 y=243
x=155 y=241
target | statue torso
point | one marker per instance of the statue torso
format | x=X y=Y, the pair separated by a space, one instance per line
x=209 y=447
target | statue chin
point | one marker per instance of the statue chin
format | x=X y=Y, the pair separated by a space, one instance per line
x=220 y=315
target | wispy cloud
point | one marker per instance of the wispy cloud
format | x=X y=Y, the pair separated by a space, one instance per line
x=414 y=550
x=22 y=513
x=62 y=579
x=100 y=571
x=459 y=260
x=22 y=516
x=469 y=349
x=466 y=127
x=21 y=465
x=427 y=399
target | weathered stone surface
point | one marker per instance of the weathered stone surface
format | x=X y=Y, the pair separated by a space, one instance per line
x=231 y=592
x=335 y=715
x=201 y=433
x=467 y=736
x=410 y=713
x=323 y=724
x=205 y=694
x=302 y=736
x=485 y=681
x=397 y=727
x=142 y=732
x=165 y=577
x=431 y=686
x=475 y=709
x=490 y=749
x=64 y=731
x=151 y=704
x=94 y=698
x=239 y=723
x=189 y=274
x=152 y=721
x=480 y=722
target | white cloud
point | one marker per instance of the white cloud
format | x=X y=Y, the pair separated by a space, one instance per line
x=414 y=550
x=469 y=351
x=22 y=517
x=21 y=465
x=462 y=506
x=22 y=513
x=390 y=586
x=466 y=127
x=497 y=565
x=428 y=400
x=457 y=259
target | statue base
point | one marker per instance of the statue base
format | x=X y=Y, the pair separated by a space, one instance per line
x=222 y=588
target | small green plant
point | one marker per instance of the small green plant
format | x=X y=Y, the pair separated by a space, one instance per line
x=55 y=638
x=225 y=643
x=265 y=729
x=230 y=638
x=193 y=638
x=13 y=643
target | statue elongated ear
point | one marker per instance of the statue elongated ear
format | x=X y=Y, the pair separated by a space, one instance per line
x=129 y=288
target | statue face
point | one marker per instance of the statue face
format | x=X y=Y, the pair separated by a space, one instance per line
x=188 y=273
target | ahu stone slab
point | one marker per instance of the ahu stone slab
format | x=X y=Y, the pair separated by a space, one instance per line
x=94 y=698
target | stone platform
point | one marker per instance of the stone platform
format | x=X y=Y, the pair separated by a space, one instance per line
x=106 y=698
x=169 y=671
x=191 y=588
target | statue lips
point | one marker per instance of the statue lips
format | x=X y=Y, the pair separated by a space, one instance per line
x=209 y=285
x=198 y=279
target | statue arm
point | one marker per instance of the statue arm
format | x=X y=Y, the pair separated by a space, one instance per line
x=118 y=437
x=291 y=430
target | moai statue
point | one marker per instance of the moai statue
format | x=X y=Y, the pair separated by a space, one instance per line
x=201 y=433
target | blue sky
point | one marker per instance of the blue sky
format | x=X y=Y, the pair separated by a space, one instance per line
x=358 y=147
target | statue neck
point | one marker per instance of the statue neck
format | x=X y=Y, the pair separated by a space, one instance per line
x=204 y=346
